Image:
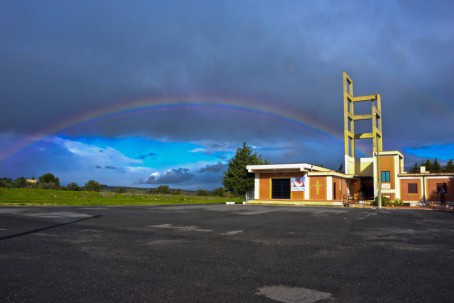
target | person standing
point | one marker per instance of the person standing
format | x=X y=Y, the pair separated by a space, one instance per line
x=442 y=195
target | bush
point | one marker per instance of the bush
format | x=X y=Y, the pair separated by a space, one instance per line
x=49 y=181
x=161 y=189
x=120 y=190
x=202 y=192
x=73 y=186
x=219 y=192
x=93 y=185
x=398 y=202
x=6 y=182
x=385 y=201
x=175 y=192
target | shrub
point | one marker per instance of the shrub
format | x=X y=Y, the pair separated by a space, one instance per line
x=6 y=182
x=49 y=181
x=93 y=185
x=120 y=190
x=175 y=192
x=385 y=201
x=398 y=202
x=202 y=192
x=219 y=192
x=162 y=189
x=73 y=186
x=20 y=182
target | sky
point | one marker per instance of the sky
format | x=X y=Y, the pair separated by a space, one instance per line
x=149 y=93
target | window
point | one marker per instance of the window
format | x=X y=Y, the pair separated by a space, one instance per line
x=385 y=176
x=412 y=188
x=280 y=189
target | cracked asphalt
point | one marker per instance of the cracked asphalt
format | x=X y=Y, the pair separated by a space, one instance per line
x=225 y=253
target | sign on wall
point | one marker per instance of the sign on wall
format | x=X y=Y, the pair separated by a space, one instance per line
x=298 y=183
x=386 y=186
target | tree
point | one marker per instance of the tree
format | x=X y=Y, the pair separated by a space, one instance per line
x=428 y=165
x=120 y=190
x=415 y=168
x=237 y=179
x=219 y=192
x=93 y=185
x=49 y=181
x=73 y=186
x=202 y=192
x=436 y=167
x=6 y=182
x=162 y=189
x=20 y=182
x=341 y=168
x=449 y=166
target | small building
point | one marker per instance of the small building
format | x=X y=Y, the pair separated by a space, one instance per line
x=300 y=182
x=31 y=181
x=363 y=178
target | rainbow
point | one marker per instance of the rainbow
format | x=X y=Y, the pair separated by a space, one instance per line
x=143 y=106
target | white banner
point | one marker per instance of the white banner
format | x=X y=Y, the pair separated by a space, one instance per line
x=298 y=183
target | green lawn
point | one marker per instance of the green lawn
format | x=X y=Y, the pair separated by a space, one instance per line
x=38 y=197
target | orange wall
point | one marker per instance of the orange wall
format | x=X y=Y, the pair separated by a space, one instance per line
x=404 y=195
x=265 y=185
x=320 y=183
x=431 y=189
x=387 y=164
x=341 y=188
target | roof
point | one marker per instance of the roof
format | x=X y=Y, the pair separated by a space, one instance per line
x=296 y=167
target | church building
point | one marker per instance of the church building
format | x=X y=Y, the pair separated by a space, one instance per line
x=363 y=178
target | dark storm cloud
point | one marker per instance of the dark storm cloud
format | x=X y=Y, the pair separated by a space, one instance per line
x=59 y=59
x=215 y=168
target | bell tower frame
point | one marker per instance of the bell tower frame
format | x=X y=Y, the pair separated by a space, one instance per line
x=350 y=136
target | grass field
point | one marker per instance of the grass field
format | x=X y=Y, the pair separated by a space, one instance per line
x=38 y=197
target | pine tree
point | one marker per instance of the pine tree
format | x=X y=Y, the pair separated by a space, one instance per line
x=428 y=165
x=436 y=167
x=415 y=169
x=341 y=168
x=237 y=179
x=449 y=166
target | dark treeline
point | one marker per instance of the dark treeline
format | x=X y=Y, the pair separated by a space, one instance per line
x=166 y=190
x=49 y=181
x=434 y=167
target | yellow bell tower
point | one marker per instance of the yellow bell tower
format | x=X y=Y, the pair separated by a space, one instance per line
x=352 y=165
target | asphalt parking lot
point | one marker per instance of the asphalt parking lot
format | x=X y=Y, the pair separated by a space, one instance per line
x=225 y=253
